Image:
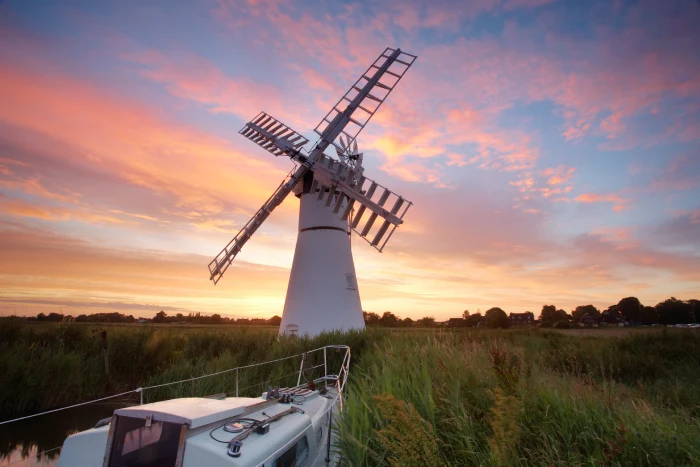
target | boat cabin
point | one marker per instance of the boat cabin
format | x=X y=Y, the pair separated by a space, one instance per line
x=283 y=428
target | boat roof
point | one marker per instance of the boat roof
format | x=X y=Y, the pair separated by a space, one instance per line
x=191 y=411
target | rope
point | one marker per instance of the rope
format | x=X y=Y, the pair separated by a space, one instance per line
x=72 y=406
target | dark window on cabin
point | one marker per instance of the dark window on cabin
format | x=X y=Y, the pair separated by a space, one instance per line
x=295 y=456
x=138 y=445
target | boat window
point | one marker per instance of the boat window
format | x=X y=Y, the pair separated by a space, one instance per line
x=136 y=445
x=295 y=456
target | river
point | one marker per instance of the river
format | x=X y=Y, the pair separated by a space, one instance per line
x=21 y=442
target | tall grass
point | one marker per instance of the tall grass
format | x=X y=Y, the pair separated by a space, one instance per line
x=419 y=398
x=519 y=398
x=44 y=367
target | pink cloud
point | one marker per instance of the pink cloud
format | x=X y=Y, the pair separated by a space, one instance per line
x=621 y=203
x=559 y=175
x=190 y=76
x=72 y=130
x=695 y=217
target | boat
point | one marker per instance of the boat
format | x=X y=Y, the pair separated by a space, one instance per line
x=284 y=427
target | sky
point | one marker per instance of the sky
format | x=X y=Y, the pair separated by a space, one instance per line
x=551 y=149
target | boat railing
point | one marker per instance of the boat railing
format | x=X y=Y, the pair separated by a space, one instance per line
x=309 y=364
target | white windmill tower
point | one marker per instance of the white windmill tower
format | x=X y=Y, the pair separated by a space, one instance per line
x=322 y=294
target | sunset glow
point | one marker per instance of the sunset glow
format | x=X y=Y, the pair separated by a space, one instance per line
x=551 y=148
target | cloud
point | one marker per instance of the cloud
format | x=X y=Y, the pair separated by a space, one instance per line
x=478 y=134
x=559 y=175
x=620 y=202
x=79 y=271
x=20 y=208
x=84 y=135
x=192 y=77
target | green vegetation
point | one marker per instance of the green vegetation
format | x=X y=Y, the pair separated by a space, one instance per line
x=49 y=365
x=508 y=398
x=415 y=397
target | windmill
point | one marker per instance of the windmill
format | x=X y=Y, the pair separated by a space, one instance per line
x=322 y=294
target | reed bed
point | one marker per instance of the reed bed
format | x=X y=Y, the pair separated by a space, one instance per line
x=524 y=398
x=44 y=367
x=475 y=397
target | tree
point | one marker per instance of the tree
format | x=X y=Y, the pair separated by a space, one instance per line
x=160 y=317
x=389 y=320
x=408 y=322
x=465 y=314
x=583 y=310
x=630 y=308
x=547 y=315
x=474 y=320
x=426 y=322
x=496 y=318
x=694 y=309
x=674 y=311
x=274 y=321
x=41 y=317
x=648 y=315
x=216 y=318
x=611 y=315
x=551 y=316
x=371 y=319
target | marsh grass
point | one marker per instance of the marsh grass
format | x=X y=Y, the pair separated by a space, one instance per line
x=529 y=398
x=467 y=398
x=44 y=367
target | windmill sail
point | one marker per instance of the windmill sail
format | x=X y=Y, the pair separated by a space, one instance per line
x=383 y=80
x=273 y=135
x=223 y=260
x=346 y=189
x=343 y=185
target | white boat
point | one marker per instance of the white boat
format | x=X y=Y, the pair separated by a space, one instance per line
x=284 y=427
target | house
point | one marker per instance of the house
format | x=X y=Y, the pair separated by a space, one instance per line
x=456 y=322
x=521 y=319
x=590 y=321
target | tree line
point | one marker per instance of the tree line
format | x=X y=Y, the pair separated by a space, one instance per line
x=629 y=310
x=160 y=317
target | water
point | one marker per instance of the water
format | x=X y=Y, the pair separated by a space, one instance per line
x=21 y=443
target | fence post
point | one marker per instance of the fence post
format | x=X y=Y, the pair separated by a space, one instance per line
x=236 y=382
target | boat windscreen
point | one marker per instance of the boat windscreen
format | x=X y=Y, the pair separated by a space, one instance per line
x=137 y=445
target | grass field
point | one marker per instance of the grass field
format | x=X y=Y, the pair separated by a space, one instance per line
x=418 y=397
